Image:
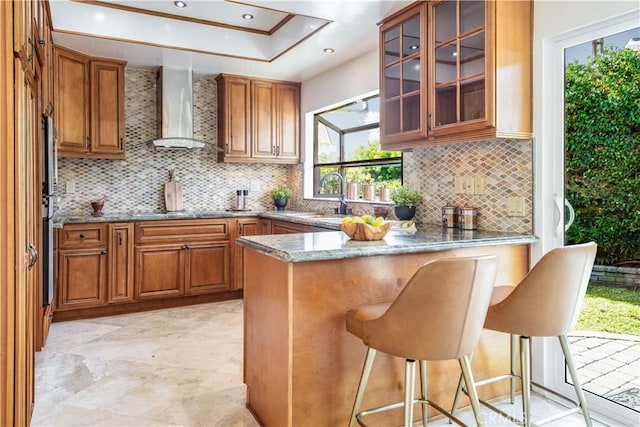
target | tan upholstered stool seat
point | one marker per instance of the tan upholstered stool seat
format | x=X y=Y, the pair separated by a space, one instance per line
x=546 y=303
x=437 y=316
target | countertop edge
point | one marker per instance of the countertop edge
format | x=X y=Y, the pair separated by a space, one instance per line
x=372 y=250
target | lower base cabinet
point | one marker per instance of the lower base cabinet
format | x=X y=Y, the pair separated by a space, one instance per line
x=82 y=278
x=109 y=268
x=82 y=266
x=182 y=257
x=159 y=271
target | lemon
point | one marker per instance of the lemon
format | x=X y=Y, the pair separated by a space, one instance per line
x=347 y=220
x=378 y=222
x=357 y=220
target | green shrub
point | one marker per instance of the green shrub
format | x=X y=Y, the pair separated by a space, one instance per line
x=602 y=149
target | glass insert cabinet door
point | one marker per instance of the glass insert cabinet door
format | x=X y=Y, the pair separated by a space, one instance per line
x=459 y=62
x=403 y=61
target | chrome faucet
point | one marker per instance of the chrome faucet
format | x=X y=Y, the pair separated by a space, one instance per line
x=343 y=205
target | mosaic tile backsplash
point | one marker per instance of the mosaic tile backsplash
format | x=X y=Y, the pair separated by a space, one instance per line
x=137 y=183
x=507 y=168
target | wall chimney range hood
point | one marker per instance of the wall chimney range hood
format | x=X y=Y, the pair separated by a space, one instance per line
x=175 y=110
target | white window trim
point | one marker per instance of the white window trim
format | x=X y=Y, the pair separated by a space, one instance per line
x=308 y=145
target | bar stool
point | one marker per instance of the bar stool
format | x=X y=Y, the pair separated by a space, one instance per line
x=437 y=316
x=546 y=303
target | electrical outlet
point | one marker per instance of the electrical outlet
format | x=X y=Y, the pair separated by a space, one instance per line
x=254 y=186
x=70 y=187
x=468 y=185
x=515 y=206
x=478 y=185
x=457 y=183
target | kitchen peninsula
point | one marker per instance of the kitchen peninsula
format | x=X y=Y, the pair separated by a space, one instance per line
x=301 y=367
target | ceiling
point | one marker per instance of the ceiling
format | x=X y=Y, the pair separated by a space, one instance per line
x=284 y=40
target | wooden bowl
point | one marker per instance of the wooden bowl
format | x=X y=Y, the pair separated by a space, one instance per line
x=361 y=231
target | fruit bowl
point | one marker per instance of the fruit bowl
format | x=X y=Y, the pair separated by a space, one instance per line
x=362 y=231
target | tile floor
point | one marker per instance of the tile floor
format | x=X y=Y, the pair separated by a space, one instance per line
x=173 y=367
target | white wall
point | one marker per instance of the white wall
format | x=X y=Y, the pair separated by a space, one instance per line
x=353 y=78
x=346 y=81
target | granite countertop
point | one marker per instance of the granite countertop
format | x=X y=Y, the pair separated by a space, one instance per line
x=308 y=218
x=337 y=245
x=60 y=220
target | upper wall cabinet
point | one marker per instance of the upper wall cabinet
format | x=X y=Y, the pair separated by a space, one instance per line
x=258 y=120
x=456 y=71
x=89 y=105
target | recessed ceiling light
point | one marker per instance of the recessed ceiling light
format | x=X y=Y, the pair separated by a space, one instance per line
x=414 y=47
x=247 y=16
x=179 y=4
x=328 y=50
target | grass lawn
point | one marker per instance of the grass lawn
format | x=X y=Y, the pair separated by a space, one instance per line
x=607 y=309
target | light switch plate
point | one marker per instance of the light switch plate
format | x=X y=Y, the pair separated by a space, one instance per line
x=478 y=184
x=515 y=206
x=468 y=185
x=70 y=187
x=457 y=183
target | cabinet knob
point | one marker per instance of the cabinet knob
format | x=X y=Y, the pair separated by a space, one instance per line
x=103 y=252
x=185 y=246
x=82 y=236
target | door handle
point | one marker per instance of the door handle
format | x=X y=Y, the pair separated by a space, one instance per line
x=572 y=214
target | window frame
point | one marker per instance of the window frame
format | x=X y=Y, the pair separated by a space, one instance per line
x=341 y=165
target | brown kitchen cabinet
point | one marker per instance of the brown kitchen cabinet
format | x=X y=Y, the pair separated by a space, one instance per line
x=454 y=71
x=258 y=120
x=89 y=105
x=243 y=227
x=120 y=262
x=286 y=227
x=182 y=257
x=82 y=266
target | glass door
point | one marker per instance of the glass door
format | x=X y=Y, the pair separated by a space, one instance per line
x=573 y=178
x=602 y=198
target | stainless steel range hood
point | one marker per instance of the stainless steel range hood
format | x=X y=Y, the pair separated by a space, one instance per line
x=175 y=110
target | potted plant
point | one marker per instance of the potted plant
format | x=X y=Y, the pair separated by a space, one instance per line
x=405 y=199
x=280 y=196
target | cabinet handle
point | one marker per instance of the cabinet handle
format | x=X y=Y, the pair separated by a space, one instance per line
x=277 y=150
x=121 y=142
x=88 y=142
x=186 y=247
x=120 y=237
x=82 y=236
x=226 y=147
x=33 y=256
x=103 y=252
x=33 y=50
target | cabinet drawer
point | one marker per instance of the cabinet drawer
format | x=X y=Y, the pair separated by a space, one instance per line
x=73 y=236
x=181 y=231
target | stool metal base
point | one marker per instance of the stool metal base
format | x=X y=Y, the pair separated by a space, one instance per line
x=527 y=385
x=409 y=393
